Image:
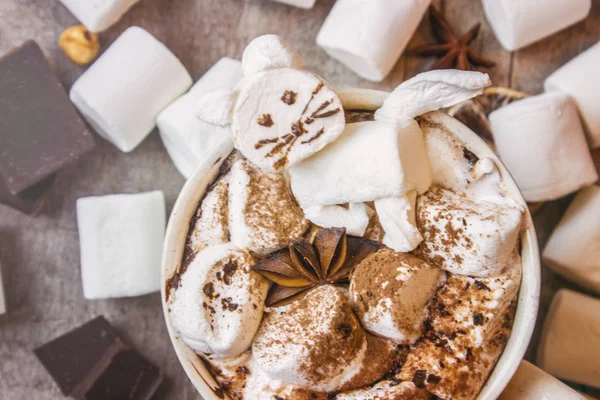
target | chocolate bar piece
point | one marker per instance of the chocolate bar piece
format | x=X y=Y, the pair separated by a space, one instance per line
x=41 y=131
x=91 y=362
x=31 y=201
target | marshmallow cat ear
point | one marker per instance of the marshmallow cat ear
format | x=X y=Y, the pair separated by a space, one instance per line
x=431 y=91
x=216 y=107
x=269 y=52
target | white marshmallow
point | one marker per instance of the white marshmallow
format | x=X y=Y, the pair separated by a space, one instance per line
x=579 y=78
x=368 y=36
x=299 y=3
x=220 y=302
x=541 y=141
x=2 y=298
x=187 y=139
x=391 y=292
x=355 y=218
x=397 y=217
x=573 y=249
x=269 y=52
x=123 y=92
x=121 y=240
x=518 y=23
x=531 y=383
x=466 y=237
x=430 y=91
x=283 y=116
x=98 y=15
x=370 y=161
x=263 y=216
x=570 y=341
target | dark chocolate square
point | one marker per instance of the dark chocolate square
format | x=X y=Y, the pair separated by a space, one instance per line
x=76 y=358
x=92 y=363
x=128 y=377
x=40 y=131
x=30 y=201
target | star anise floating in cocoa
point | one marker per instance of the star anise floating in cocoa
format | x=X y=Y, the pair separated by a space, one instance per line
x=454 y=51
x=305 y=265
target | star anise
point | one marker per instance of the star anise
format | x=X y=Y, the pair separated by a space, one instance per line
x=454 y=51
x=305 y=265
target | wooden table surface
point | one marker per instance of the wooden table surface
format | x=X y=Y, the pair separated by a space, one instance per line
x=39 y=256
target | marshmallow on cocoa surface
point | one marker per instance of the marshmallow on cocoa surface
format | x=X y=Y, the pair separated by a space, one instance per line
x=571 y=339
x=541 y=141
x=391 y=292
x=470 y=322
x=186 y=138
x=98 y=15
x=518 y=23
x=368 y=36
x=397 y=218
x=263 y=216
x=573 y=249
x=531 y=383
x=212 y=222
x=354 y=217
x=466 y=237
x=123 y=92
x=370 y=161
x=579 y=78
x=219 y=303
x=121 y=240
x=315 y=342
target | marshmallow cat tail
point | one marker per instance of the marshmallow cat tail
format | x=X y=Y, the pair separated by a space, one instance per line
x=430 y=91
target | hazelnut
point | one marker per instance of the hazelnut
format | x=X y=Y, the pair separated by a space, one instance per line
x=79 y=44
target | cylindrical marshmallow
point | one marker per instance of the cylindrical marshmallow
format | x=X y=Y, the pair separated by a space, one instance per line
x=98 y=15
x=531 y=383
x=570 y=342
x=298 y=3
x=579 y=77
x=123 y=92
x=186 y=138
x=368 y=36
x=518 y=23
x=541 y=141
x=574 y=247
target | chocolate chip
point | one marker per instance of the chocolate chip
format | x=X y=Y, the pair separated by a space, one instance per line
x=419 y=378
x=469 y=354
x=209 y=290
x=470 y=156
x=482 y=286
x=478 y=319
x=228 y=271
x=433 y=379
x=345 y=328
x=228 y=304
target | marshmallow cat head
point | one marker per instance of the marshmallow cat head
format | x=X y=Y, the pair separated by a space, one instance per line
x=279 y=114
